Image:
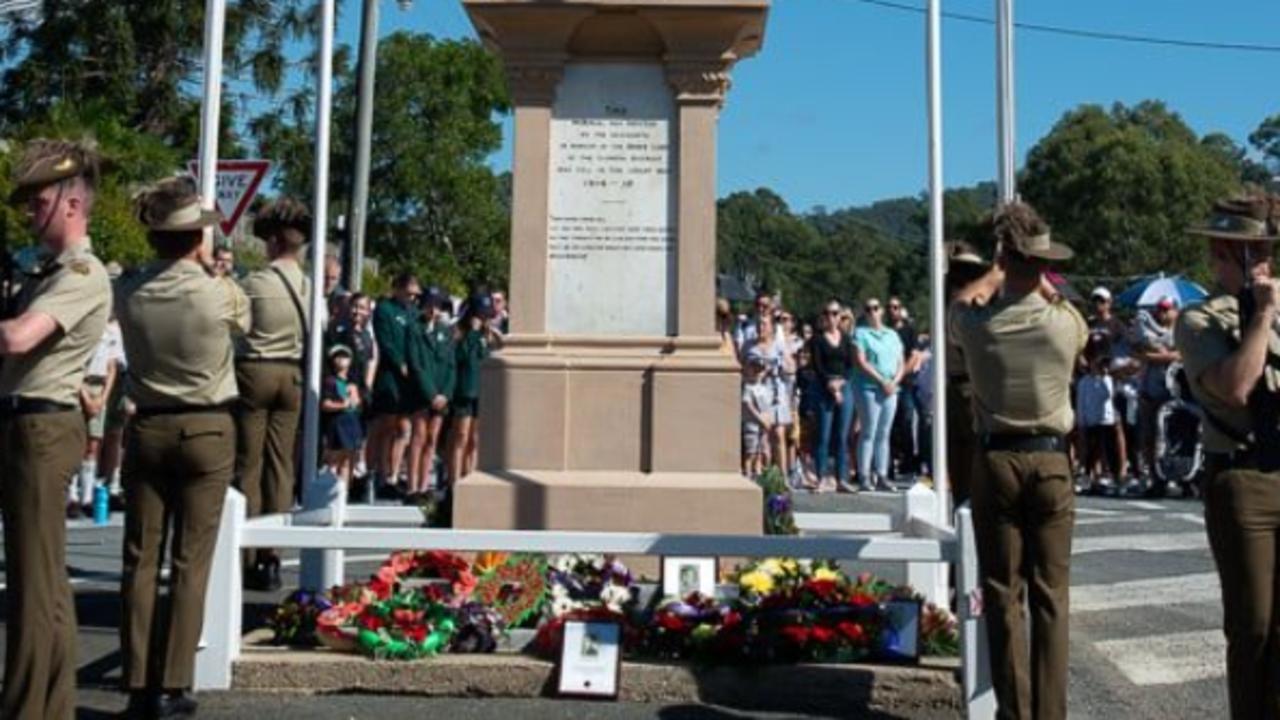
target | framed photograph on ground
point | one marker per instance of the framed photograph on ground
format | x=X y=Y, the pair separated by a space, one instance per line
x=683 y=576
x=590 y=660
x=902 y=629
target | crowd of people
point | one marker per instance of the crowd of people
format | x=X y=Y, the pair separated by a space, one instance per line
x=845 y=385
x=843 y=402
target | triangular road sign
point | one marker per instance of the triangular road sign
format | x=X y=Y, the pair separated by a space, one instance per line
x=238 y=183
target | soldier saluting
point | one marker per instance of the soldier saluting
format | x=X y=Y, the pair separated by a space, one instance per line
x=269 y=374
x=1020 y=342
x=1231 y=352
x=60 y=315
x=177 y=321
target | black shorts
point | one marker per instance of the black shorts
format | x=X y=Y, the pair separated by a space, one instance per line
x=466 y=407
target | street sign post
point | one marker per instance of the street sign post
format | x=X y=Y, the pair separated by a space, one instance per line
x=237 y=184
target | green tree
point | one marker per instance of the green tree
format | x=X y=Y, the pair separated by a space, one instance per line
x=140 y=60
x=436 y=207
x=1266 y=140
x=1121 y=187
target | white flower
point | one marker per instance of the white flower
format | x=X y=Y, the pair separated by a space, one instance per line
x=564 y=563
x=559 y=591
x=615 y=597
x=595 y=561
x=562 y=606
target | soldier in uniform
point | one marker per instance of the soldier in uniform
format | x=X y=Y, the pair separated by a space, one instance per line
x=269 y=374
x=1231 y=352
x=60 y=315
x=964 y=266
x=177 y=320
x=1020 y=341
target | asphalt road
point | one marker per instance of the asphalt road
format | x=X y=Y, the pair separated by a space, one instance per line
x=1146 y=639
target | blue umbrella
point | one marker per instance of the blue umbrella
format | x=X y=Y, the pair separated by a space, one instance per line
x=1148 y=291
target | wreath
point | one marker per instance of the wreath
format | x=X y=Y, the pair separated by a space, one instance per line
x=515 y=589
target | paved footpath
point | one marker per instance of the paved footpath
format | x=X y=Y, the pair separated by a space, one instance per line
x=1145 y=624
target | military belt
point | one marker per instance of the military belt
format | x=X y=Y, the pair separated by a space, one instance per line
x=18 y=405
x=1009 y=442
x=268 y=361
x=225 y=407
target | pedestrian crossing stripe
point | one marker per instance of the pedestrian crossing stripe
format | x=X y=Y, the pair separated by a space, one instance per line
x=1153 y=592
x=1169 y=659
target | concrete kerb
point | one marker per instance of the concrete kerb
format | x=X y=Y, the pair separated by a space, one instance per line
x=921 y=544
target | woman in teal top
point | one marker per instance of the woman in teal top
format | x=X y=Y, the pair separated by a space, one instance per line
x=475 y=339
x=878 y=354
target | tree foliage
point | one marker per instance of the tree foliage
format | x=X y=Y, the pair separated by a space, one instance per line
x=1122 y=185
x=435 y=206
x=142 y=59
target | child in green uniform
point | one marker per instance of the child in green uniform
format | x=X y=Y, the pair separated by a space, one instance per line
x=432 y=367
x=475 y=339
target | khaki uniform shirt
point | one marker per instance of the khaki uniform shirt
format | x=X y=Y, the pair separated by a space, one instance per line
x=1021 y=353
x=1205 y=335
x=177 y=323
x=277 y=333
x=76 y=293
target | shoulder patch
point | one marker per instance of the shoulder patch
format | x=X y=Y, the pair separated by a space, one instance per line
x=80 y=267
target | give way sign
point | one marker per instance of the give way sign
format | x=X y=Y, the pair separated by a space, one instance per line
x=238 y=183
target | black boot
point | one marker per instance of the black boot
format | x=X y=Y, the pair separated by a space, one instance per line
x=176 y=704
x=143 y=705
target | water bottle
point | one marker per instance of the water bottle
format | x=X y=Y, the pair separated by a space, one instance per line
x=101 y=504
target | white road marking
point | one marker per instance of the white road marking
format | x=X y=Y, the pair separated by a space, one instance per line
x=1191 y=518
x=295 y=562
x=1097 y=511
x=1111 y=519
x=1146 y=505
x=1168 y=659
x=1156 y=592
x=1153 y=542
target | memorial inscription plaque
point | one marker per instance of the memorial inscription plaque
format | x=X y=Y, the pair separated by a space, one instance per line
x=611 y=247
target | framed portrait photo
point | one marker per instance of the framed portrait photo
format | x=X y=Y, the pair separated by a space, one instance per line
x=683 y=576
x=902 y=630
x=590 y=660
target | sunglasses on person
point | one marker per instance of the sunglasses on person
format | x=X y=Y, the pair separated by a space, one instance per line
x=873 y=308
x=833 y=312
x=1101 y=301
x=895 y=306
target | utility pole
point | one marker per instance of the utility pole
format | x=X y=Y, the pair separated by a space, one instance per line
x=368 y=67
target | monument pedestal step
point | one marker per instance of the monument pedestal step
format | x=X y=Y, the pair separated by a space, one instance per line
x=690 y=503
x=929 y=690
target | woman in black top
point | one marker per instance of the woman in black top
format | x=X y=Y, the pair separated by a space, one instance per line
x=833 y=358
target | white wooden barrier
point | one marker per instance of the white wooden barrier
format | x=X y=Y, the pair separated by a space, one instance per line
x=923 y=543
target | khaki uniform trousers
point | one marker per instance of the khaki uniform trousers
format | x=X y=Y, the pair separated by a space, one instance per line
x=38 y=453
x=1023 y=512
x=1242 y=516
x=962 y=441
x=176 y=474
x=267 y=425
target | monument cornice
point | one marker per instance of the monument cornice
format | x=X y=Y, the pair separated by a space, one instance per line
x=534 y=82
x=700 y=83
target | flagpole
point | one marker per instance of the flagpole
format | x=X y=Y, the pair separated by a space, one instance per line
x=215 y=20
x=937 y=268
x=319 y=234
x=1005 y=110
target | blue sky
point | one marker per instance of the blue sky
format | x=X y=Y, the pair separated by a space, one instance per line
x=832 y=111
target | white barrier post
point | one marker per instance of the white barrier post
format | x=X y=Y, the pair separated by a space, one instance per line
x=323 y=569
x=979 y=698
x=220 y=640
x=928 y=579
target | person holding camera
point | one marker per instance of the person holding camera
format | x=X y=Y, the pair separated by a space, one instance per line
x=59 y=317
x=1231 y=353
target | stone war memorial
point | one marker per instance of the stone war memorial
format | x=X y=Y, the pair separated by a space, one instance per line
x=613 y=407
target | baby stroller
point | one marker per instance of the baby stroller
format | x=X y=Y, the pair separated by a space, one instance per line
x=1179 y=424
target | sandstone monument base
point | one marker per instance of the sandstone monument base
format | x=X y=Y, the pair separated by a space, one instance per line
x=612 y=406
